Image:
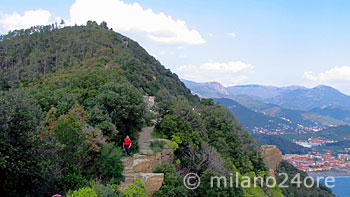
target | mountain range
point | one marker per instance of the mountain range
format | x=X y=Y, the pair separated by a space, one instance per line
x=315 y=107
x=294 y=97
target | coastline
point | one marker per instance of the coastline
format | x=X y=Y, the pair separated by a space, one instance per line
x=329 y=174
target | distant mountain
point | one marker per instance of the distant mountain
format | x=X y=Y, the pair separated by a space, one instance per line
x=286 y=146
x=305 y=118
x=294 y=97
x=207 y=89
x=261 y=92
x=256 y=102
x=251 y=119
x=337 y=112
x=307 y=99
x=339 y=133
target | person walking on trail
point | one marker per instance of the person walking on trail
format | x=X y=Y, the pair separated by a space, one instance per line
x=127 y=145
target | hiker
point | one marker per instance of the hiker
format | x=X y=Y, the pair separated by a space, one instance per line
x=127 y=144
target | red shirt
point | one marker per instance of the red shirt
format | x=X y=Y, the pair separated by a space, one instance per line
x=127 y=142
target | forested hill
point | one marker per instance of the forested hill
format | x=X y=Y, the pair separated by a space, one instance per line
x=28 y=54
x=70 y=95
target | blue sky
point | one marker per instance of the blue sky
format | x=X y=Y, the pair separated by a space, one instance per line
x=277 y=43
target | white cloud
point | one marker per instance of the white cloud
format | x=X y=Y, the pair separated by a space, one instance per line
x=227 y=73
x=233 y=35
x=221 y=67
x=118 y=15
x=334 y=74
x=162 y=52
x=132 y=17
x=28 y=19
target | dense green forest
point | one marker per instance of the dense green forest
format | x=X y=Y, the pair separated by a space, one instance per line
x=68 y=97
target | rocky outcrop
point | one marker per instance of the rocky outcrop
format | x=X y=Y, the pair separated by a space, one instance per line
x=153 y=181
x=272 y=157
x=146 y=163
x=149 y=100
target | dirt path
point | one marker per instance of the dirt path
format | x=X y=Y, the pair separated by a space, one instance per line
x=145 y=140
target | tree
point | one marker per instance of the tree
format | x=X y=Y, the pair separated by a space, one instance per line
x=20 y=163
x=124 y=105
x=207 y=101
x=104 y=25
x=62 y=22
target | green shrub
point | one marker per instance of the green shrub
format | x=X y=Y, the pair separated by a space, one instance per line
x=110 y=163
x=156 y=146
x=84 y=192
x=137 y=189
x=173 y=182
x=175 y=141
x=106 y=190
x=73 y=178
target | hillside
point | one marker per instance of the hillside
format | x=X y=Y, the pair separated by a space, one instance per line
x=337 y=112
x=26 y=55
x=252 y=120
x=337 y=148
x=338 y=133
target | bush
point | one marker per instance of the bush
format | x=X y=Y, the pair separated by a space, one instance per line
x=105 y=190
x=156 y=146
x=173 y=182
x=110 y=163
x=84 y=192
x=137 y=189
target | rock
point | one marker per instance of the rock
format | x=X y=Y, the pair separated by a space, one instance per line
x=153 y=181
x=272 y=157
x=143 y=165
x=149 y=100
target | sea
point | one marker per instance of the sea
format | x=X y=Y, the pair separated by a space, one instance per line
x=342 y=186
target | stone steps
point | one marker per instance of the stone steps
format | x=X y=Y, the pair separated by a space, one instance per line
x=141 y=165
